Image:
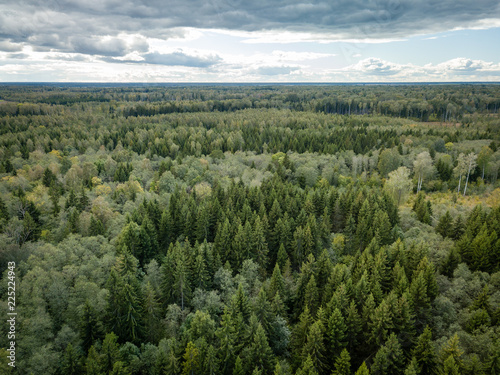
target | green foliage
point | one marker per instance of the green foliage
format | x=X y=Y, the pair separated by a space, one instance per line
x=251 y=230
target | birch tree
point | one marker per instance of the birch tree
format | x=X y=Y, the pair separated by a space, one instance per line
x=399 y=183
x=470 y=162
x=422 y=167
x=460 y=169
x=484 y=158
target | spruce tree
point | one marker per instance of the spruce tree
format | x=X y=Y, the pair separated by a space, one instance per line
x=191 y=365
x=424 y=353
x=389 y=359
x=336 y=333
x=363 y=370
x=445 y=225
x=314 y=347
x=343 y=364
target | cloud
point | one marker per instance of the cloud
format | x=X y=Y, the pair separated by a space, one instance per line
x=374 y=66
x=180 y=58
x=175 y=58
x=452 y=70
x=464 y=65
x=93 y=27
x=18 y=56
x=275 y=70
x=7 y=46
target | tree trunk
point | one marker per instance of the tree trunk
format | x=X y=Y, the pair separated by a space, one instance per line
x=466 y=181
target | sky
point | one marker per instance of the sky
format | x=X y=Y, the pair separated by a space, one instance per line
x=337 y=41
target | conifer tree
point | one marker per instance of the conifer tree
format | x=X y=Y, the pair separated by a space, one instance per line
x=238 y=367
x=363 y=370
x=152 y=314
x=191 y=365
x=93 y=362
x=314 y=347
x=90 y=327
x=343 y=364
x=71 y=361
x=389 y=360
x=96 y=227
x=276 y=284
x=424 y=353
x=336 y=333
x=311 y=296
x=301 y=329
x=451 y=356
x=260 y=353
x=445 y=225
x=307 y=368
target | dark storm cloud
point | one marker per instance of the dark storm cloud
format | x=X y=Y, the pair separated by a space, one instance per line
x=79 y=25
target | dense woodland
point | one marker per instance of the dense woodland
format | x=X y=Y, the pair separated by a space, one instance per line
x=231 y=230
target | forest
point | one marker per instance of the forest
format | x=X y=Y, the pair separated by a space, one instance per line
x=250 y=230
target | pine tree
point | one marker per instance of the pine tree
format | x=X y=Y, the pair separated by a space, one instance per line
x=389 y=360
x=238 y=367
x=445 y=225
x=73 y=220
x=211 y=362
x=314 y=347
x=240 y=304
x=263 y=312
x=228 y=347
x=191 y=365
x=222 y=243
x=363 y=370
x=420 y=301
x=93 y=362
x=311 y=297
x=458 y=228
x=450 y=367
x=412 y=368
x=343 y=364
x=83 y=201
x=181 y=288
x=277 y=284
x=165 y=236
x=336 y=333
x=300 y=331
x=48 y=177
x=451 y=356
x=71 y=201
x=424 y=353
x=260 y=353
x=259 y=245
x=307 y=368
x=282 y=256
x=109 y=353
x=71 y=362
x=151 y=314
x=493 y=364
x=96 y=227
x=353 y=327
x=90 y=327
